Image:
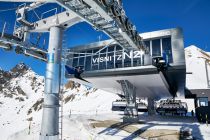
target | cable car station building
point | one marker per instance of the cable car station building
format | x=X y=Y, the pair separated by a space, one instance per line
x=132 y=72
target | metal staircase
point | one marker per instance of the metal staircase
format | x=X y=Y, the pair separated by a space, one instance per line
x=131 y=111
x=128 y=90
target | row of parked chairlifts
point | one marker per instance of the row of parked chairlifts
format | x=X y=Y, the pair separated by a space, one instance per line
x=171 y=106
x=164 y=107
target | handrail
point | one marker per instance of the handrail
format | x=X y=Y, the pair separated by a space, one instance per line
x=42 y=15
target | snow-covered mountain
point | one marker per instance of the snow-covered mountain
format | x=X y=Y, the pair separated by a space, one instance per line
x=197 y=68
x=21 y=96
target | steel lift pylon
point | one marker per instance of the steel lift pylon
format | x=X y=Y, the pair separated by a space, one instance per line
x=109 y=18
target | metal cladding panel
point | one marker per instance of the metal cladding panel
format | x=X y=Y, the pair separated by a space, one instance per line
x=178 y=46
x=93 y=45
x=156 y=34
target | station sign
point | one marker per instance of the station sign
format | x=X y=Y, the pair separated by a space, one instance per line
x=118 y=57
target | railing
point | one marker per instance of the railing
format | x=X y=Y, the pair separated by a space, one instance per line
x=5 y=28
x=50 y=12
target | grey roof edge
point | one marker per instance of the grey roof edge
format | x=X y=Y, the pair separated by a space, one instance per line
x=146 y=35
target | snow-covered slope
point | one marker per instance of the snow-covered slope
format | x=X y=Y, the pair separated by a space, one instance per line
x=21 y=96
x=197 y=70
x=21 y=88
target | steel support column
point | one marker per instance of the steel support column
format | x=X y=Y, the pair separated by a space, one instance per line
x=151 y=106
x=50 y=118
x=130 y=112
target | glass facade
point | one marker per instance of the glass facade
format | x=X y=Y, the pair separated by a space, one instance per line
x=202 y=101
x=114 y=56
x=156 y=50
x=166 y=47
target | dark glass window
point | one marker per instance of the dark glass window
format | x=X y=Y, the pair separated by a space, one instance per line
x=202 y=101
x=95 y=62
x=147 y=44
x=103 y=50
x=82 y=54
x=118 y=59
x=89 y=52
x=81 y=61
x=118 y=48
x=137 y=62
x=127 y=58
x=88 y=63
x=156 y=47
x=136 y=58
x=76 y=55
x=102 y=61
x=166 y=45
x=111 y=48
x=75 y=62
x=110 y=62
x=95 y=50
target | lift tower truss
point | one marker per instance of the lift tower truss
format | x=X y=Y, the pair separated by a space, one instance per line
x=104 y=15
x=108 y=17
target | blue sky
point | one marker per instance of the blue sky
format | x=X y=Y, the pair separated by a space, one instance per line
x=148 y=15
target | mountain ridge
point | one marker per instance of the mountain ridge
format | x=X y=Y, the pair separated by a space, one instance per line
x=21 y=98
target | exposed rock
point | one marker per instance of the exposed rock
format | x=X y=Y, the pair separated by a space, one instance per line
x=19 y=69
x=36 y=106
x=20 y=99
x=20 y=91
x=69 y=98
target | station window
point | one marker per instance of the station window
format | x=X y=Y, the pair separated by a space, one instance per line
x=118 y=48
x=81 y=61
x=95 y=50
x=202 y=101
x=75 y=62
x=76 y=55
x=103 y=50
x=156 y=47
x=136 y=58
x=82 y=54
x=88 y=63
x=111 y=48
x=127 y=58
x=110 y=62
x=147 y=44
x=166 y=46
x=102 y=61
x=95 y=62
x=136 y=62
x=118 y=59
